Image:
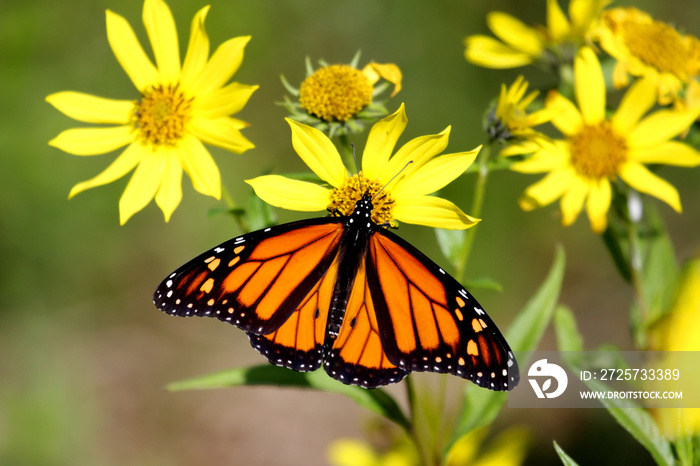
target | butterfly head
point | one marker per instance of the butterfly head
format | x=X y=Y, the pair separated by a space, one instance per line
x=362 y=198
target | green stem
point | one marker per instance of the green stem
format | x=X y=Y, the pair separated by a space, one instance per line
x=231 y=205
x=477 y=204
x=636 y=267
x=633 y=257
x=420 y=431
x=636 y=264
x=346 y=152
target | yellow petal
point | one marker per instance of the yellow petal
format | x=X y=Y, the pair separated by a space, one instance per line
x=387 y=71
x=546 y=191
x=589 y=86
x=129 y=53
x=223 y=64
x=290 y=194
x=434 y=175
x=416 y=151
x=92 y=109
x=197 y=49
x=637 y=101
x=169 y=193
x=515 y=33
x=572 y=200
x=433 y=212
x=661 y=126
x=539 y=117
x=640 y=178
x=318 y=152
x=491 y=53
x=583 y=13
x=546 y=159
x=200 y=167
x=122 y=165
x=598 y=204
x=520 y=148
x=620 y=77
x=349 y=452
x=143 y=185
x=220 y=132
x=557 y=23
x=162 y=33
x=238 y=124
x=224 y=101
x=669 y=153
x=565 y=116
x=93 y=141
x=381 y=141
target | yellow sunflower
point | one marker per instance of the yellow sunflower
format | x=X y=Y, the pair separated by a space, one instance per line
x=596 y=150
x=341 y=98
x=179 y=108
x=521 y=45
x=510 y=118
x=405 y=180
x=648 y=48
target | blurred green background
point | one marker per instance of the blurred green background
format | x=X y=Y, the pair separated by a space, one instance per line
x=85 y=356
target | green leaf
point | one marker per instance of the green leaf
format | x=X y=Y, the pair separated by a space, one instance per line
x=484 y=283
x=659 y=270
x=635 y=420
x=566 y=331
x=639 y=423
x=216 y=211
x=617 y=244
x=529 y=325
x=291 y=89
x=260 y=213
x=566 y=460
x=375 y=400
x=525 y=332
x=451 y=244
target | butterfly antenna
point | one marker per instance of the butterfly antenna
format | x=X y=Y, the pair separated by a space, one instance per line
x=392 y=179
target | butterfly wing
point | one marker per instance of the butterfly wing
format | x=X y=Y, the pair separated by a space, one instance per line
x=258 y=281
x=403 y=312
x=298 y=343
x=357 y=356
x=427 y=321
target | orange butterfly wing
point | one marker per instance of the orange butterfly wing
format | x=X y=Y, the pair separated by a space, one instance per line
x=298 y=343
x=256 y=281
x=428 y=322
x=393 y=310
x=357 y=355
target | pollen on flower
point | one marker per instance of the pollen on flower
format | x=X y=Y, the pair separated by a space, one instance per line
x=335 y=93
x=161 y=115
x=656 y=43
x=597 y=152
x=344 y=198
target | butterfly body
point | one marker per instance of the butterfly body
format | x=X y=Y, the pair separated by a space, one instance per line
x=345 y=293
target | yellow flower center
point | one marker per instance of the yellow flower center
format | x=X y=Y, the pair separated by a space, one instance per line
x=658 y=45
x=335 y=93
x=161 y=115
x=344 y=198
x=597 y=151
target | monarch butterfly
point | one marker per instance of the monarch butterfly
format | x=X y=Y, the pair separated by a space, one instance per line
x=345 y=293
